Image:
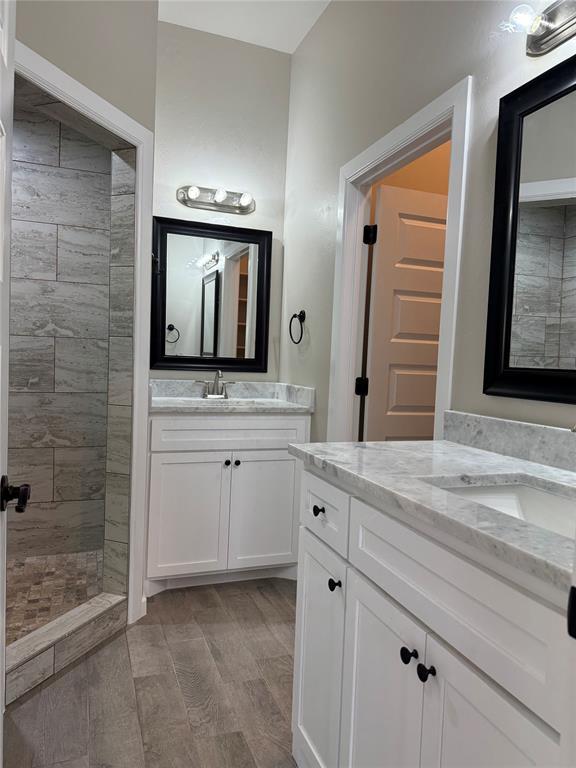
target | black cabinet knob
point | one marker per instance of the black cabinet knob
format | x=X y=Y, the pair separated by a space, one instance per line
x=333 y=584
x=407 y=655
x=227 y=463
x=425 y=672
x=237 y=463
x=316 y=510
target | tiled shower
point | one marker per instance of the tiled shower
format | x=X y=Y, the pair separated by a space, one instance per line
x=71 y=315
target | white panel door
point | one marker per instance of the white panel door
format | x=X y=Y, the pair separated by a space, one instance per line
x=7 y=24
x=405 y=314
x=318 y=654
x=381 y=693
x=263 y=516
x=469 y=723
x=189 y=512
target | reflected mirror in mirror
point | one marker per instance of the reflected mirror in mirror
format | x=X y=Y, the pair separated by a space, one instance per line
x=210 y=296
x=543 y=328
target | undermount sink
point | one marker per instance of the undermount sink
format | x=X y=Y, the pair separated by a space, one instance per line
x=533 y=505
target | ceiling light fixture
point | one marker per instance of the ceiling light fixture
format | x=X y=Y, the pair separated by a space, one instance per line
x=219 y=199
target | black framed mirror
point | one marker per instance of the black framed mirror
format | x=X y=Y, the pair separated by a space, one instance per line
x=531 y=330
x=210 y=296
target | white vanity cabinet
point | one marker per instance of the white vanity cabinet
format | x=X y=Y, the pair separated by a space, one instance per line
x=224 y=493
x=424 y=659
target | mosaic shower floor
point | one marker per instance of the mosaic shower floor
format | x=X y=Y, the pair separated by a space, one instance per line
x=40 y=588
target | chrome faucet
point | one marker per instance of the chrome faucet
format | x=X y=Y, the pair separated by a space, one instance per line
x=216 y=388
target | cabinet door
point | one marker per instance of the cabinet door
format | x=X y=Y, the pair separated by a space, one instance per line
x=381 y=695
x=189 y=512
x=318 y=659
x=470 y=723
x=263 y=519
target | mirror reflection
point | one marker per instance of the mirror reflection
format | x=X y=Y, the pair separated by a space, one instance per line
x=543 y=331
x=211 y=297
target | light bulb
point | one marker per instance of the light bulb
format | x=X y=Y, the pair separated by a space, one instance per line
x=246 y=200
x=193 y=193
x=523 y=17
x=220 y=195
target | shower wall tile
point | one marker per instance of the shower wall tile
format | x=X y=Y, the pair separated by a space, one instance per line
x=570 y=225
x=121 y=300
x=117 y=508
x=57 y=527
x=33 y=250
x=36 y=138
x=83 y=255
x=115 y=567
x=532 y=255
x=570 y=257
x=47 y=308
x=60 y=195
x=79 y=473
x=120 y=371
x=81 y=365
x=34 y=466
x=122 y=224
x=556 y=257
x=56 y=420
x=569 y=296
x=31 y=364
x=124 y=172
x=118 y=446
x=528 y=335
x=80 y=152
x=538 y=295
x=533 y=220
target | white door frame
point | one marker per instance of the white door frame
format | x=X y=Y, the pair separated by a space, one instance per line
x=447 y=117
x=48 y=77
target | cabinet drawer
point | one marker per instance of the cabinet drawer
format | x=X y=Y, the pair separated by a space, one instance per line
x=513 y=638
x=325 y=510
x=206 y=433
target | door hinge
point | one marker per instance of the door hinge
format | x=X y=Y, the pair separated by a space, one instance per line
x=361 y=388
x=370 y=234
x=571 y=613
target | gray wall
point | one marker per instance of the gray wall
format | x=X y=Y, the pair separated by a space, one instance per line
x=70 y=345
x=108 y=45
x=364 y=68
x=222 y=120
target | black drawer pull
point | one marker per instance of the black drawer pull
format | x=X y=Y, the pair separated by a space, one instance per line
x=227 y=463
x=316 y=510
x=407 y=655
x=237 y=463
x=333 y=584
x=424 y=673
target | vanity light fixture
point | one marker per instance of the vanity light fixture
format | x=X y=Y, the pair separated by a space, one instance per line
x=209 y=260
x=548 y=29
x=219 y=199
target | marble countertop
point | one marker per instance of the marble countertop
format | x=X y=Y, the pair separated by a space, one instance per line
x=182 y=396
x=402 y=479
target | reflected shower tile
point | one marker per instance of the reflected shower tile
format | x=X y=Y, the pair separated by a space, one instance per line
x=33 y=250
x=34 y=466
x=120 y=371
x=124 y=172
x=537 y=295
x=115 y=567
x=528 y=335
x=534 y=220
x=60 y=196
x=118 y=446
x=47 y=308
x=537 y=362
x=532 y=255
x=80 y=152
x=569 y=296
x=556 y=257
x=570 y=229
x=31 y=366
x=35 y=138
x=60 y=419
x=568 y=363
x=79 y=473
x=121 y=300
x=570 y=257
x=568 y=336
x=83 y=255
x=117 y=507
x=81 y=365
x=122 y=224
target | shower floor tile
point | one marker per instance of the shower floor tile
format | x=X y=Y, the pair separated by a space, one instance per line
x=40 y=588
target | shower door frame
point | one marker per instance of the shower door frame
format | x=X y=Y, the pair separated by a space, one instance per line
x=50 y=78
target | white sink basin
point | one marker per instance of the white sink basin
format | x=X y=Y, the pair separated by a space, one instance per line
x=534 y=505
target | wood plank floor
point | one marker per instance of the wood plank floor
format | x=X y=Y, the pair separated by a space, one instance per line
x=204 y=680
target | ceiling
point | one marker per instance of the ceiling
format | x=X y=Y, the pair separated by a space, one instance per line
x=277 y=24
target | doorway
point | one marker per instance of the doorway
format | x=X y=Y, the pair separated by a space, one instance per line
x=446 y=119
x=404 y=299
